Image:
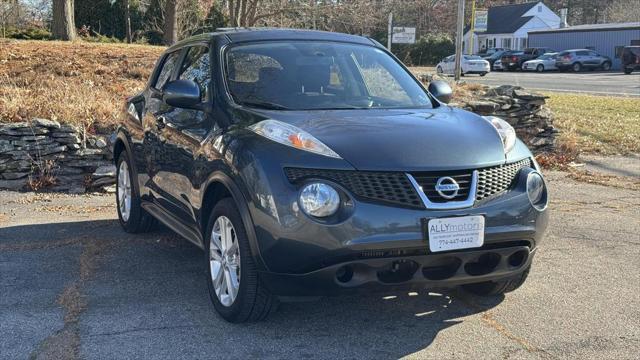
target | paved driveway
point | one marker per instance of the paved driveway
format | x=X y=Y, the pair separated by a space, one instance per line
x=73 y=285
x=602 y=83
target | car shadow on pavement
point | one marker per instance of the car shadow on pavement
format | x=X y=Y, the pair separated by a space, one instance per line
x=146 y=296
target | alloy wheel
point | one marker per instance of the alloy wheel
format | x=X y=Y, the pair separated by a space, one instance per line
x=224 y=261
x=124 y=191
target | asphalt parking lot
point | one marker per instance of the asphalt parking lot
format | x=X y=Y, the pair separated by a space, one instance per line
x=73 y=285
x=592 y=82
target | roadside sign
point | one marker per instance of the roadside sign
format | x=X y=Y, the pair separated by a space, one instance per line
x=403 y=35
x=480 y=22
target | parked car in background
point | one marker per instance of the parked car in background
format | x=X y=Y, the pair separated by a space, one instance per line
x=514 y=61
x=543 y=63
x=497 y=66
x=490 y=51
x=470 y=64
x=308 y=163
x=580 y=59
x=494 y=57
x=630 y=59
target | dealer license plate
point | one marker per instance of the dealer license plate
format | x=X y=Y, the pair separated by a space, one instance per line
x=455 y=233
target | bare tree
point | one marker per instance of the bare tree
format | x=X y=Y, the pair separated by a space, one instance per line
x=127 y=20
x=171 y=22
x=63 y=25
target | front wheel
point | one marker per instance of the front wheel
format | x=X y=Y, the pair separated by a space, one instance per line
x=540 y=68
x=439 y=70
x=606 y=66
x=628 y=71
x=483 y=74
x=133 y=218
x=493 y=288
x=233 y=282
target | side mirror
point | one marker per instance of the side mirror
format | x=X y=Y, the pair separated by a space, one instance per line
x=441 y=91
x=182 y=94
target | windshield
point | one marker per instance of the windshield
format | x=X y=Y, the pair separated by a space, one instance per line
x=319 y=76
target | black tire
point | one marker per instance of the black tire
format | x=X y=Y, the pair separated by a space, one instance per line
x=439 y=70
x=253 y=302
x=483 y=74
x=493 y=288
x=606 y=66
x=628 y=71
x=577 y=67
x=540 y=68
x=139 y=220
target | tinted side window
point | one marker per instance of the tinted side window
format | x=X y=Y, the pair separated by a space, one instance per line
x=582 y=53
x=167 y=69
x=196 y=67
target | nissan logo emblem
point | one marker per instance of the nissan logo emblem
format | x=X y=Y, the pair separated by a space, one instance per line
x=447 y=187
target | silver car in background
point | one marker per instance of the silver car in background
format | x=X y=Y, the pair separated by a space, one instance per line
x=579 y=59
x=543 y=63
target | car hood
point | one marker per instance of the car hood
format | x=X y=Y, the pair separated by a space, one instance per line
x=403 y=140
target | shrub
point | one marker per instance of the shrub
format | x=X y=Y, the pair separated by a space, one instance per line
x=32 y=33
x=428 y=50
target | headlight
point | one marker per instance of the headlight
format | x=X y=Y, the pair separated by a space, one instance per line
x=292 y=136
x=506 y=131
x=536 y=190
x=319 y=200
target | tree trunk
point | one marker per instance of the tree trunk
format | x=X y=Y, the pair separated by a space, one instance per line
x=171 y=22
x=63 y=26
x=127 y=20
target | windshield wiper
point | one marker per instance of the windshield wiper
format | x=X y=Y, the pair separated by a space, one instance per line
x=264 y=104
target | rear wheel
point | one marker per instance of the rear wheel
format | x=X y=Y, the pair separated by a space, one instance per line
x=628 y=71
x=483 y=74
x=540 y=68
x=133 y=218
x=233 y=282
x=577 y=67
x=492 y=288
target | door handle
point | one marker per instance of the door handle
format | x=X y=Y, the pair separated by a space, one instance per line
x=161 y=122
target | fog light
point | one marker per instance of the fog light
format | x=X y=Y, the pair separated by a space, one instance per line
x=536 y=190
x=319 y=200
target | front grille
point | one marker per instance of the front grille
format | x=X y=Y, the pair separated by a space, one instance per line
x=396 y=189
x=427 y=182
x=387 y=187
x=496 y=179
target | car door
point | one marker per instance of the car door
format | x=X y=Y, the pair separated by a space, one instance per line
x=449 y=64
x=182 y=131
x=594 y=59
x=153 y=125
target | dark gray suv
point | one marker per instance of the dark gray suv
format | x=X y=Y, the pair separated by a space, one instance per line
x=309 y=163
x=579 y=59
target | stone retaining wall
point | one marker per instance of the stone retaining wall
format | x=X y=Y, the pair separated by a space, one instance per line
x=45 y=154
x=525 y=111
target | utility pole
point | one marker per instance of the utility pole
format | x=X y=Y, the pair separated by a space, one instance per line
x=390 y=31
x=459 y=38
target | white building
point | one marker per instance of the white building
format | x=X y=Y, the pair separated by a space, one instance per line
x=508 y=26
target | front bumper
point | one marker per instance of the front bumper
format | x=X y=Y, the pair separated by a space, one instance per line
x=442 y=270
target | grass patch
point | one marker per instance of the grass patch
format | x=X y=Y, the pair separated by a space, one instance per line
x=597 y=124
x=79 y=83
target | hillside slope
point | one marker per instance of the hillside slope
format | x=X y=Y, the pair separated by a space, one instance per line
x=78 y=83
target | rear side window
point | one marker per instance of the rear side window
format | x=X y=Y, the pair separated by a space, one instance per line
x=582 y=53
x=167 y=69
x=197 y=68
